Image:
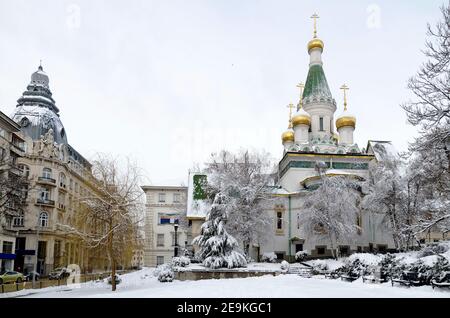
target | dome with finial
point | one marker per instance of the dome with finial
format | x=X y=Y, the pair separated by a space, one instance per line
x=346 y=120
x=301 y=117
x=36 y=111
x=315 y=43
x=288 y=136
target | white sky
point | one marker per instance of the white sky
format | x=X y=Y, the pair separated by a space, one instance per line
x=168 y=82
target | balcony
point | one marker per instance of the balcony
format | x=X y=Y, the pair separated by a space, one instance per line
x=62 y=186
x=47 y=181
x=44 y=202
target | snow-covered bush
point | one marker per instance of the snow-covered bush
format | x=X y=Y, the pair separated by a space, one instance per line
x=164 y=273
x=284 y=266
x=270 y=257
x=433 y=249
x=181 y=261
x=390 y=266
x=319 y=267
x=423 y=271
x=300 y=256
x=354 y=268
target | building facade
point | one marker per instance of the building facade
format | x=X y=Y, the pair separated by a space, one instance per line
x=11 y=148
x=59 y=177
x=165 y=210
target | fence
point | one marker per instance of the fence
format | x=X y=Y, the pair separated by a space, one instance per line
x=43 y=283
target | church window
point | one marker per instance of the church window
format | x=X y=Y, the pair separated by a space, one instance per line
x=321 y=123
x=279 y=220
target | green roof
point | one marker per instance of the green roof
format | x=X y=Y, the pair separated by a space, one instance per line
x=316 y=86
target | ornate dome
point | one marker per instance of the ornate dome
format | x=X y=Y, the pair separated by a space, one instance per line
x=36 y=111
x=287 y=136
x=301 y=117
x=345 y=120
x=315 y=43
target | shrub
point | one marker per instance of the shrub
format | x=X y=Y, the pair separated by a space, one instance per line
x=164 y=273
x=301 y=256
x=284 y=266
x=391 y=267
x=318 y=268
x=354 y=268
x=433 y=249
x=269 y=257
x=181 y=261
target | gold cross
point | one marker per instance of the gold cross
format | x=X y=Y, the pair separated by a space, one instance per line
x=345 y=89
x=301 y=86
x=315 y=17
x=290 y=106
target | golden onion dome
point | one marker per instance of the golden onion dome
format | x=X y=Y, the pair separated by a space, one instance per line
x=345 y=120
x=301 y=118
x=287 y=136
x=315 y=43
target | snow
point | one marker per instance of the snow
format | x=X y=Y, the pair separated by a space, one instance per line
x=381 y=149
x=143 y=284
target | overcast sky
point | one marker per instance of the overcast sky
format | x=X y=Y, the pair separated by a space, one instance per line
x=168 y=82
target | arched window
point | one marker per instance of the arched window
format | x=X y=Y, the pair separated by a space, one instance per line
x=43 y=219
x=47 y=173
x=62 y=180
x=18 y=219
x=25 y=170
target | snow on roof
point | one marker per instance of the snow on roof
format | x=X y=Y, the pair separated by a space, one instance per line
x=381 y=149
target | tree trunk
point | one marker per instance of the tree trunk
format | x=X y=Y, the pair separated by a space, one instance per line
x=112 y=258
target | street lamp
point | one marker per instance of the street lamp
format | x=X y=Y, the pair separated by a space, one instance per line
x=175 y=250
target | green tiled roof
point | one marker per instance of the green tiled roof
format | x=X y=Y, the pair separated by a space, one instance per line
x=316 y=86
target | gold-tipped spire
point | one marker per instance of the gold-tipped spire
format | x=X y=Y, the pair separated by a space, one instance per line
x=290 y=106
x=345 y=89
x=315 y=16
x=300 y=86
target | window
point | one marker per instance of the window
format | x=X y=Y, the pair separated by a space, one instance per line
x=7 y=247
x=359 y=249
x=62 y=180
x=18 y=219
x=279 y=220
x=44 y=194
x=43 y=219
x=47 y=173
x=321 y=123
x=25 y=170
x=160 y=240
x=2 y=153
x=159 y=260
x=176 y=198
x=344 y=250
x=162 y=197
x=320 y=250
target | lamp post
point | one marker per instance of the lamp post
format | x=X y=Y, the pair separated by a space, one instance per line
x=175 y=250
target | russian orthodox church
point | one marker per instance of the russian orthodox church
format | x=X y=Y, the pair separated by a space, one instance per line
x=320 y=140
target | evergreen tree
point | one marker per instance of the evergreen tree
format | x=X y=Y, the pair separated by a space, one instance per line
x=217 y=247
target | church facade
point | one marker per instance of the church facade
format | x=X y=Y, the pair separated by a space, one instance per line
x=320 y=141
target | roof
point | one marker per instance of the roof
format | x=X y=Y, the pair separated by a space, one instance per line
x=163 y=188
x=381 y=149
x=316 y=86
x=8 y=124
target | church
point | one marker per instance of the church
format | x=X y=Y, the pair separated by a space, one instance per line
x=320 y=137
x=319 y=141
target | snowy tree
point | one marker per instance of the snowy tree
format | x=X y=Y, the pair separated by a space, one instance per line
x=110 y=217
x=332 y=211
x=217 y=248
x=244 y=179
x=430 y=111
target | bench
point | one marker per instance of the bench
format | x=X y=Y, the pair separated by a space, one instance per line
x=407 y=279
x=442 y=281
x=349 y=278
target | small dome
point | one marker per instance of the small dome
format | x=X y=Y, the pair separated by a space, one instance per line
x=287 y=136
x=345 y=120
x=315 y=43
x=40 y=78
x=301 y=118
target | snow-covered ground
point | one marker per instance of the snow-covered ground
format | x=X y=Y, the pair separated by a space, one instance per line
x=143 y=284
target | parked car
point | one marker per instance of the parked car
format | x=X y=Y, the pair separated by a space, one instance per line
x=59 y=273
x=29 y=276
x=11 y=277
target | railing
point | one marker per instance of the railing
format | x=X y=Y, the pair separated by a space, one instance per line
x=45 y=202
x=47 y=180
